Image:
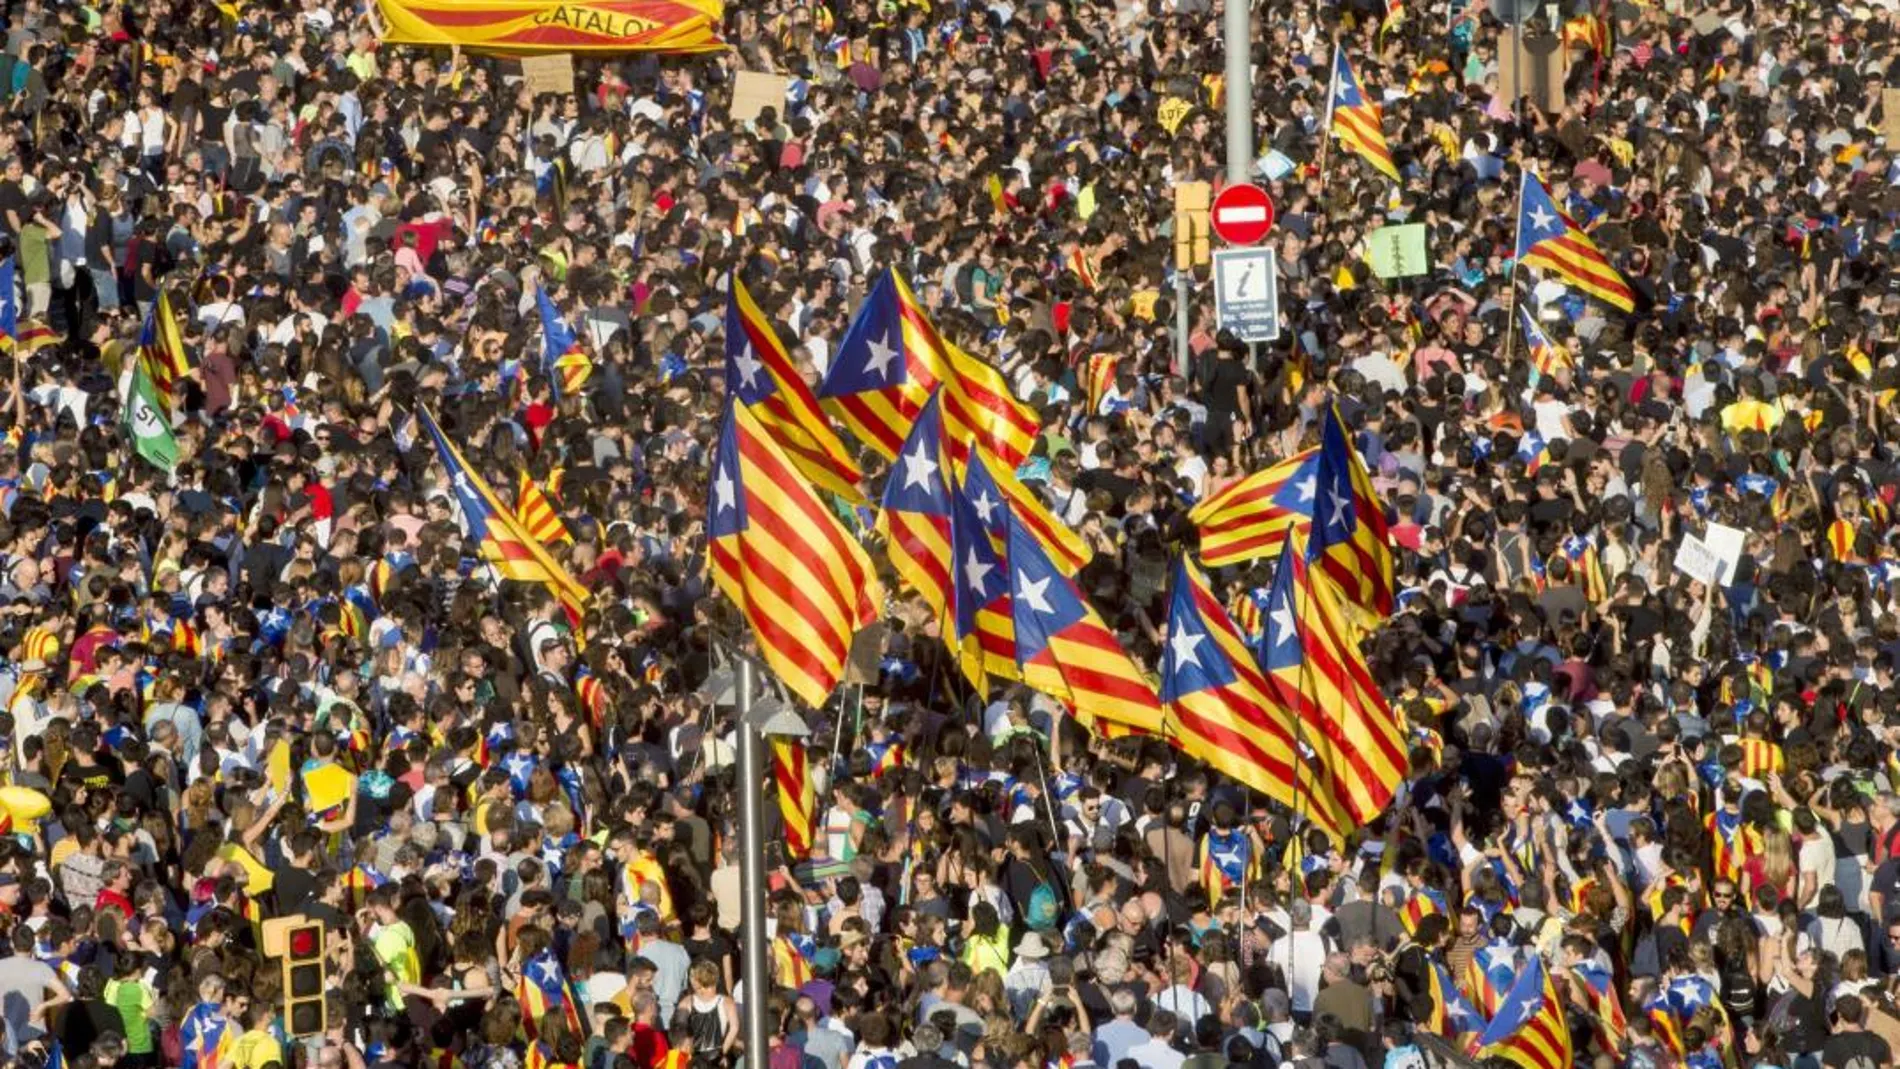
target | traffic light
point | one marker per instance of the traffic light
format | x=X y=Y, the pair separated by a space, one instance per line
x=299 y=942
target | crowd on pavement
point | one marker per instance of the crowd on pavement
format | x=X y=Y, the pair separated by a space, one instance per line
x=276 y=680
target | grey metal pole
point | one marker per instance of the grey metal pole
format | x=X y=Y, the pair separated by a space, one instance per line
x=1239 y=77
x=758 y=981
x=1181 y=327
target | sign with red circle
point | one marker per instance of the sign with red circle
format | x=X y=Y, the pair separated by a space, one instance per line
x=1242 y=214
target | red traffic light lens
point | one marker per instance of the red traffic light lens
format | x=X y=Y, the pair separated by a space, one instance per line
x=305 y=942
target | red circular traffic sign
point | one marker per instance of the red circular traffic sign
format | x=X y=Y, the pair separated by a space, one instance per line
x=1242 y=214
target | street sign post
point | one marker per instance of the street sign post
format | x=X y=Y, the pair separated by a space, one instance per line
x=1242 y=214
x=1247 y=293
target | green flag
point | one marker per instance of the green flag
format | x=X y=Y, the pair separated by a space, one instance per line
x=151 y=431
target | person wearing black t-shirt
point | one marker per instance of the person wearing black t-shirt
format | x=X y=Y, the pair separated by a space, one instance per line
x=1852 y=1046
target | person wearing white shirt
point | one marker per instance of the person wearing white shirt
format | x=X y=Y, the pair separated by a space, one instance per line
x=1300 y=954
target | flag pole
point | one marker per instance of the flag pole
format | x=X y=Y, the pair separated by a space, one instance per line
x=1510 y=277
x=1332 y=94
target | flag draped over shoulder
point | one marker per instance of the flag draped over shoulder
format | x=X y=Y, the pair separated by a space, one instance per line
x=802 y=582
x=1221 y=711
x=1550 y=241
x=543 y=989
x=892 y=358
x=761 y=375
x=505 y=544
x=1530 y=1030
x=563 y=361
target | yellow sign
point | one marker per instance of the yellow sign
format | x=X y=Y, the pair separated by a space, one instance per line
x=1172 y=112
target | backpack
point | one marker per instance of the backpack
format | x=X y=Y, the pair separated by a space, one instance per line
x=1044 y=912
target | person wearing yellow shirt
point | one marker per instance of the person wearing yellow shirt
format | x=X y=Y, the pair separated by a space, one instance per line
x=257 y=1047
x=1751 y=412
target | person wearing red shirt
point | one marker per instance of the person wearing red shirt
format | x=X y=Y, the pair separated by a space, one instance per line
x=117 y=893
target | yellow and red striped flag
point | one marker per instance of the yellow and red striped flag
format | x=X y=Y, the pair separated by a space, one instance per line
x=889 y=362
x=761 y=375
x=915 y=514
x=1356 y=120
x=797 y=797
x=984 y=502
x=537 y=514
x=1251 y=518
x=1530 y=1030
x=798 y=577
x=1349 y=543
x=1591 y=31
x=1220 y=710
x=1309 y=656
x=1099 y=376
x=162 y=350
x=1549 y=240
x=506 y=545
x=1594 y=989
x=1065 y=650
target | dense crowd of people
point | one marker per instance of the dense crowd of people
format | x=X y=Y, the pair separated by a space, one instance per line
x=277 y=679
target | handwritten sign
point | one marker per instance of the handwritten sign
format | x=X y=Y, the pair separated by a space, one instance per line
x=548 y=74
x=753 y=92
x=1696 y=560
x=1172 y=111
x=1398 y=251
x=1890 y=116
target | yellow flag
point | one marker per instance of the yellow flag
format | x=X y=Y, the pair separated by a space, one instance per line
x=257 y=878
x=328 y=786
x=277 y=767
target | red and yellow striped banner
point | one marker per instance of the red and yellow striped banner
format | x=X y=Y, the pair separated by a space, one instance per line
x=520 y=27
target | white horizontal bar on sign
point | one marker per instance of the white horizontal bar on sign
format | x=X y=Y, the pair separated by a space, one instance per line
x=1252 y=213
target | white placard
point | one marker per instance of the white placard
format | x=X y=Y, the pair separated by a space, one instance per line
x=1726 y=543
x=1697 y=561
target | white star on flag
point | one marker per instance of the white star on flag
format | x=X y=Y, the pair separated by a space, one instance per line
x=976 y=570
x=1282 y=617
x=1183 y=641
x=1035 y=595
x=749 y=366
x=883 y=354
x=1305 y=487
x=1541 y=219
x=724 y=490
x=918 y=468
x=985 y=506
x=1340 y=505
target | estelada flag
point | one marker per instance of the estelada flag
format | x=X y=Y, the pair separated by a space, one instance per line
x=518 y=27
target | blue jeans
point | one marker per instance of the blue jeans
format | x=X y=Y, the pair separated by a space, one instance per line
x=106 y=284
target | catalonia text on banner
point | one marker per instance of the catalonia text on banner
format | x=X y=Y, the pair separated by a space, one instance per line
x=529 y=26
